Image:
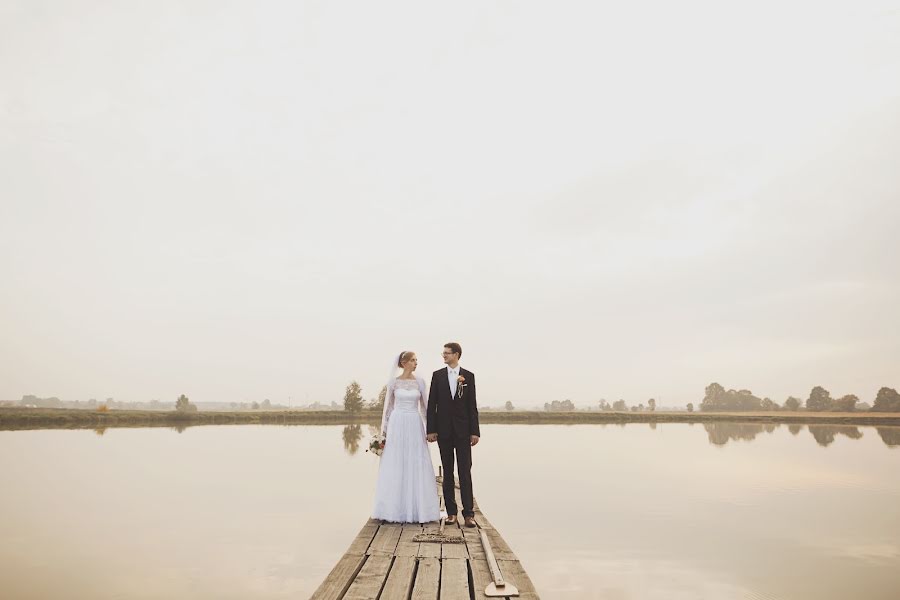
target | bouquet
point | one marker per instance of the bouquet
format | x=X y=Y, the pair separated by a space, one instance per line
x=376 y=445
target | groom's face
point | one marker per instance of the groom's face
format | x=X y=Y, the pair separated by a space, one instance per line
x=449 y=356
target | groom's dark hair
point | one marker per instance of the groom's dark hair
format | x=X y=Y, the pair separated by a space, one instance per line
x=454 y=347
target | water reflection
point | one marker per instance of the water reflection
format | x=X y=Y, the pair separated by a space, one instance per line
x=825 y=434
x=719 y=432
x=889 y=435
x=351 y=435
x=226 y=511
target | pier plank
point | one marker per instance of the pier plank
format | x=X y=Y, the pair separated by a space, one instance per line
x=428 y=578
x=383 y=562
x=454 y=578
x=400 y=579
x=430 y=549
x=369 y=580
x=363 y=539
x=481 y=577
x=338 y=581
x=386 y=539
x=512 y=570
x=406 y=546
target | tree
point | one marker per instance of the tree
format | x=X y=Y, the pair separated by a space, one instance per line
x=509 y=406
x=887 y=400
x=768 y=404
x=604 y=405
x=845 y=403
x=819 y=399
x=353 y=400
x=255 y=405
x=184 y=405
x=378 y=403
x=714 y=398
x=651 y=404
x=620 y=406
x=266 y=404
x=792 y=403
x=690 y=407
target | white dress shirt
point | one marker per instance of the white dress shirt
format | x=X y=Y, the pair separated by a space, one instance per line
x=452 y=374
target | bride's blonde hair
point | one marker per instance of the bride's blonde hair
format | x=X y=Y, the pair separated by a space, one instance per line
x=404 y=356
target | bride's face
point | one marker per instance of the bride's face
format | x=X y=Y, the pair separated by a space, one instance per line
x=411 y=363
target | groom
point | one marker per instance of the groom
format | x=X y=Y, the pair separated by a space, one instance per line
x=453 y=423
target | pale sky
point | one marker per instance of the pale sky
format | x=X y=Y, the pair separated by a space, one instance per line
x=248 y=200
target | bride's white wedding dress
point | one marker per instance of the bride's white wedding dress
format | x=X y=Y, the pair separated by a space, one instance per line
x=406 y=491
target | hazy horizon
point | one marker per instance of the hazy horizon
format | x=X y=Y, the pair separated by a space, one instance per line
x=268 y=201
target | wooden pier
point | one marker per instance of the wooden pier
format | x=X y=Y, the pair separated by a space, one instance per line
x=384 y=562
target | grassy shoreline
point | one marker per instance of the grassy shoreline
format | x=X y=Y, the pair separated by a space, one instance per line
x=18 y=418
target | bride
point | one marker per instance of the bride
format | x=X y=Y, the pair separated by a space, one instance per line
x=406 y=491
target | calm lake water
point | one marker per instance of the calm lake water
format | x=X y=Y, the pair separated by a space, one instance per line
x=593 y=511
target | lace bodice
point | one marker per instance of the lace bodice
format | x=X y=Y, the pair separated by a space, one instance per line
x=407 y=395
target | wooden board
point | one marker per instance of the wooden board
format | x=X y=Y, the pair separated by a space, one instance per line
x=512 y=570
x=430 y=549
x=363 y=539
x=481 y=577
x=370 y=579
x=400 y=579
x=428 y=578
x=383 y=562
x=454 y=578
x=406 y=546
x=338 y=581
x=385 y=540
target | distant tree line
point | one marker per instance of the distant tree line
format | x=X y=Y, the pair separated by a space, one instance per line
x=717 y=398
x=353 y=399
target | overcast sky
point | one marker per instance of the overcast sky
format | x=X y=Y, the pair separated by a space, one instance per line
x=249 y=200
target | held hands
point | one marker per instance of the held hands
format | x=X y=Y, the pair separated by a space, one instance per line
x=432 y=437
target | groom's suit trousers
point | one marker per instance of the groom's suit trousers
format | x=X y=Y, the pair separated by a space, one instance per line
x=462 y=447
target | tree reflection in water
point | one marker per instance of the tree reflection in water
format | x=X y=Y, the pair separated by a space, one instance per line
x=890 y=436
x=351 y=436
x=825 y=434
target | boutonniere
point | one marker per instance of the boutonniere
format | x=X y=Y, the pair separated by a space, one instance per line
x=460 y=384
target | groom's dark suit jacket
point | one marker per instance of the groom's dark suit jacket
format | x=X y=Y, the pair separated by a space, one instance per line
x=447 y=414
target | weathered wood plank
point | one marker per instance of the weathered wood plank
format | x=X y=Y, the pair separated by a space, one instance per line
x=428 y=577
x=430 y=549
x=501 y=549
x=368 y=582
x=454 y=551
x=481 y=577
x=454 y=578
x=340 y=578
x=385 y=540
x=406 y=546
x=514 y=573
x=473 y=543
x=400 y=579
x=383 y=561
x=363 y=539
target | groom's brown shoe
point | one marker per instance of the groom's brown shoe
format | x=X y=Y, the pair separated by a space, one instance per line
x=451 y=520
x=470 y=522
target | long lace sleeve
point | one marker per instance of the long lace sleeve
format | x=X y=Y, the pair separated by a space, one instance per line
x=423 y=398
x=388 y=407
